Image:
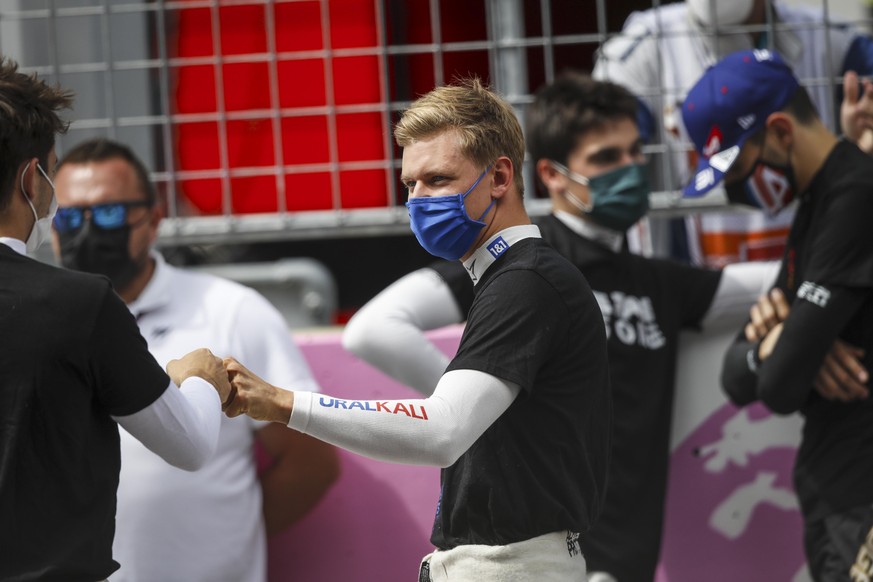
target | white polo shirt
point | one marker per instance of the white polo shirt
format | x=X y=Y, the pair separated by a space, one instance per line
x=207 y=525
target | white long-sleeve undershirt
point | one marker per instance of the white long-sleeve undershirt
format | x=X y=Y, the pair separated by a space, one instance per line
x=739 y=288
x=430 y=431
x=181 y=426
x=392 y=324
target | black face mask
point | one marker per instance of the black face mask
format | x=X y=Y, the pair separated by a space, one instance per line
x=768 y=186
x=103 y=252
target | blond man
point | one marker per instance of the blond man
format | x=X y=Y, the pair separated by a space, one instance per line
x=520 y=422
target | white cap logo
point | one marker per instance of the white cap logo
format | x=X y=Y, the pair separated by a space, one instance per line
x=704 y=179
x=762 y=55
x=722 y=161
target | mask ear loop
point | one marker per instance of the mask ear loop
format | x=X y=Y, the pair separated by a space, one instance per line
x=473 y=187
x=579 y=179
x=27 y=196
x=23 y=189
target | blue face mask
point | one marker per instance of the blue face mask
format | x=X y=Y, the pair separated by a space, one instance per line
x=619 y=198
x=441 y=223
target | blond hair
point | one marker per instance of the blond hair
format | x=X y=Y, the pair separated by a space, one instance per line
x=484 y=122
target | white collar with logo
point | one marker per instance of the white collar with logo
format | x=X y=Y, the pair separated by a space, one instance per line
x=495 y=246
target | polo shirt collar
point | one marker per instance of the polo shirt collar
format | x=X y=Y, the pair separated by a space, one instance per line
x=157 y=293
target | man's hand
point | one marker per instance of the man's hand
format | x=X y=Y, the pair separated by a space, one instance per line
x=770 y=310
x=842 y=376
x=254 y=397
x=856 y=111
x=203 y=364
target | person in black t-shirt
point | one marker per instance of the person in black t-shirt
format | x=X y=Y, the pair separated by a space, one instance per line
x=521 y=419
x=583 y=136
x=758 y=132
x=72 y=367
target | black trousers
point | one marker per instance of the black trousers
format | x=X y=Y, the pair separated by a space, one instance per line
x=839 y=547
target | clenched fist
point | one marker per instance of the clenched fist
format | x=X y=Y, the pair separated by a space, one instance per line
x=253 y=396
x=203 y=364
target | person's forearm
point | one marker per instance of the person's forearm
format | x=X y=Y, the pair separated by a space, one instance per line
x=433 y=431
x=181 y=426
x=787 y=375
x=739 y=376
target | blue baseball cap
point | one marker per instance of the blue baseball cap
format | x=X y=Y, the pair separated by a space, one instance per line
x=728 y=105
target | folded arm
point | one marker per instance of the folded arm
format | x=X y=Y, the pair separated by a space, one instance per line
x=782 y=372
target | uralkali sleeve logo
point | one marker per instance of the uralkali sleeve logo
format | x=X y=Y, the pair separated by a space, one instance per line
x=410 y=409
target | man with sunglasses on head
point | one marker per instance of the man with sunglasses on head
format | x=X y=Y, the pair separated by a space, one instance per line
x=758 y=132
x=73 y=366
x=173 y=525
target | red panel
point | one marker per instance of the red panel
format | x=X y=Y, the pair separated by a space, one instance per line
x=250 y=143
x=246 y=86
x=243 y=29
x=308 y=191
x=298 y=27
x=363 y=188
x=200 y=151
x=356 y=80
x=359 y=137
x=305 y=140
x=197 y=38
x=301 y=83
x=205 y=195
x=254 y=194
x=195 y=89
x=353 y=23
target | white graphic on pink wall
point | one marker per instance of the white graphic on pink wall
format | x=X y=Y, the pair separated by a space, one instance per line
x=731 y=509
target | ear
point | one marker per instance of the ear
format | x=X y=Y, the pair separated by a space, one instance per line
x=27 y=176
x=504 y=176
x=781 y=125
x=551 y=178
x=154 y=222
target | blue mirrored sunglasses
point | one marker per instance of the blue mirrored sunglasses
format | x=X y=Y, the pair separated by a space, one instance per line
x=104 y=216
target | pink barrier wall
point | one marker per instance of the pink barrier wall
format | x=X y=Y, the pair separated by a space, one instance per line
x=731 y=512
x=374 y=525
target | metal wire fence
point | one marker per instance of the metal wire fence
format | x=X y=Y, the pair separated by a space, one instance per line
x=271 y=119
